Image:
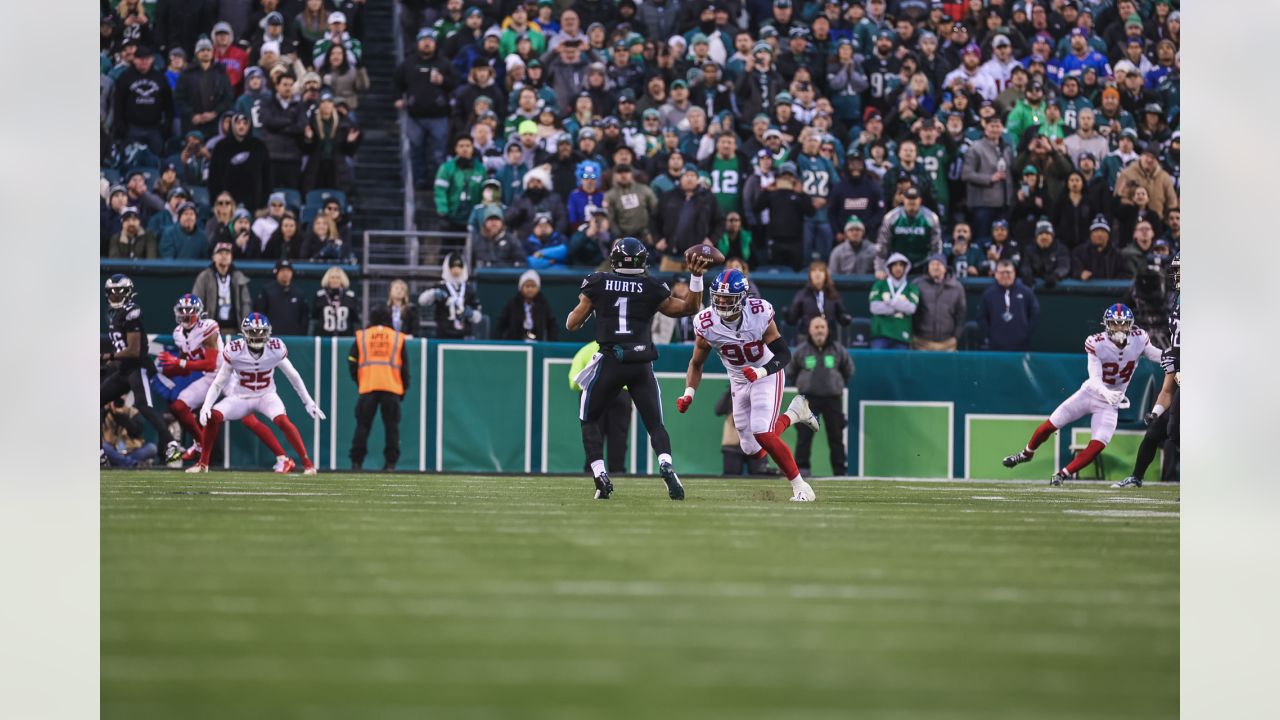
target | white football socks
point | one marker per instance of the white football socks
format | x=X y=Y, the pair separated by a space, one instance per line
x=665 y=458
x=597 y=468
x=795 y=418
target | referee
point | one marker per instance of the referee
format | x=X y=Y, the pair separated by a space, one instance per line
x=379 y=364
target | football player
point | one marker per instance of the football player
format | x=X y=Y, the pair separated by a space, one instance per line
x=754 y=353
x=625 y=302
x=1162 y=421
x=253 y=360
x=200 y=351
x=1113 y=355
x=128 y=362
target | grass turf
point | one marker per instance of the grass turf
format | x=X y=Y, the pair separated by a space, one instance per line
x=249 y=595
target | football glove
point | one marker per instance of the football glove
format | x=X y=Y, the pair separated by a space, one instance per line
x=684 y=401
x=205 y=412
x=167 y=360
x=1115 y=397
x=314 y=411
x=1149 y=418
x=754 y=374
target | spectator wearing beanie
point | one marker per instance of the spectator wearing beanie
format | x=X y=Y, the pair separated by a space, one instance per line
x=853 y=256
x=184 y=241
x=1045 y=259
x=821 y=368
x=1098 y=259
x=527 y=315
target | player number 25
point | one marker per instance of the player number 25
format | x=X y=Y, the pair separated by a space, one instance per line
x=743 y=354
x=1111 y=370
x=255 y=380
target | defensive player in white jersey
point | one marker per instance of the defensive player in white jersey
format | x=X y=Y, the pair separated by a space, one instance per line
x=253 y=360
x=200 y=351
x=743 y=332
x=1113 y=356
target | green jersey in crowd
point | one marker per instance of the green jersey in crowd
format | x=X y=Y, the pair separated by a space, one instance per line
x=817 y=178
x=726 y=184
x=898 y=325
x=458 y=189
x=935 y=159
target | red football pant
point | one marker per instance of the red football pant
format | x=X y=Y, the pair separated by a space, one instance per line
x=295 y=439
x=186 y=418
x=211 y=429
x=1084 y=457
x=264 y=434
x=1041 y=434
x=780 y=453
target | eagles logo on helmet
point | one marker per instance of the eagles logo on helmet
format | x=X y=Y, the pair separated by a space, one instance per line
x=629 y=256
x=119 y=291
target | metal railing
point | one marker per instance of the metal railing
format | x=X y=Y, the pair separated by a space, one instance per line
x=415 y=256
x=406 y=166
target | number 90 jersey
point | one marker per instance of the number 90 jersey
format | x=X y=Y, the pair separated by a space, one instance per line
x=1118 y=363
x=740 y=344
x=253 y=375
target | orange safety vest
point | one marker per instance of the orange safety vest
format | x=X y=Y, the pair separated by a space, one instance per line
x=378 y=351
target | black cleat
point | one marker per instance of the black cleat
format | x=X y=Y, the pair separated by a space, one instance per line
x=674 y=489
x=1128 y=482
x=1056 y=480
x=1018 y=458
x=604 y=488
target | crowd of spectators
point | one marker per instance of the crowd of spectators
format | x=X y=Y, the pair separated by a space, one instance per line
x=229 y=121
x=966 y=137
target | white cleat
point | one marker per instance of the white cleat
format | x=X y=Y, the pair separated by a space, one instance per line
x=803 y=492
x=309 y=470
x=284 y=465
x=800 y=412
x=198 y=469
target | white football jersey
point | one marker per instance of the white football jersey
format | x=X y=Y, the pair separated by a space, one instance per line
x=191 y=342
x=741 y=343
x=253 y=375
x=1118 y=363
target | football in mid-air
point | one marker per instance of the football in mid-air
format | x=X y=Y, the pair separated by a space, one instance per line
x=707 y=251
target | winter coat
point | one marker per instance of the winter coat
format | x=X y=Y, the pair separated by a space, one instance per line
x=820 y=371
x=980 y=163
x=203 y=90
x=458 y=187
x=808 y=303
x=1013 y=333
x=456 y=305
x=1159 y=185
x=143 y=246
x=285 y=306
x=685 y=221
x=242 y=168
x=567 y=79
x=327 y=151
x=206 y=286
x=863 y=197
x=753 y=99
x=176 y=244
x=1105 y=264
x=336 y=314
x=348 y=85
x=423 y=99
x=940 y=313
x=519 y=217
x=847 y=260
x=282 y=129
x=511 y=320
x=143 y=102
x=1050 y=264
x=504 y=250
x=630 y=208
x=1071 y=221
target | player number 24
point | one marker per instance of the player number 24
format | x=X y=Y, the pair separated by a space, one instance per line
x=1111 y=370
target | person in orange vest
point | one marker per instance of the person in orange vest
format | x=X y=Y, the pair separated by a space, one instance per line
x=379 y=363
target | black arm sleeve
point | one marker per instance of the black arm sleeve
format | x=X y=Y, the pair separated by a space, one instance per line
x=781 y=356
x=404 y=366
x=353 y=362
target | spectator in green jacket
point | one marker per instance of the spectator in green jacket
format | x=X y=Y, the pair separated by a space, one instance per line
x=184 y=241
x=893 y=303
x=1028 y=111
x=132 y=242
x=459 y=185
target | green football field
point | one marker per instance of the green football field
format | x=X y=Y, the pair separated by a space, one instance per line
x=251 y=595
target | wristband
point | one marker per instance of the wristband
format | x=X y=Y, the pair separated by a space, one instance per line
x=1158 y=410
x=688 y=392
x=695 y=283
x=182 y=363
x=761 y=372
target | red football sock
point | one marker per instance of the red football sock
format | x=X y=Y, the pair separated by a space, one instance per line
x=264 y=434
x=295 y=439
x=210 y=437
x=784 y=422
x=1084 y=457
x=186 y=419
x=1041 y=434
x=760 y=453
x=780 y=453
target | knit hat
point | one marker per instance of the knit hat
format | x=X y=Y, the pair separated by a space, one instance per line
x=1044 y=226
x=530 y=276
x=854 y=221
x=542 y=173
x=1100 y=223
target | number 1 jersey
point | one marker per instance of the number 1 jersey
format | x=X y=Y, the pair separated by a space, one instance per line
x=253 y=375
x=740 y=343
x=625 y=306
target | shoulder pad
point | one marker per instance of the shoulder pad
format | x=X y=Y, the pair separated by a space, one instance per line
x=133 y=313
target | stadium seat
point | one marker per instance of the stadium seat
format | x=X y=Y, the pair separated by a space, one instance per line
x=111 y=175
x=858 y=333
x=199 y=196
x=292 y=198
x=971 y=339
x=318 y=197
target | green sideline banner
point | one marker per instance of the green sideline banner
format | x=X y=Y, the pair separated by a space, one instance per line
x=507 y=407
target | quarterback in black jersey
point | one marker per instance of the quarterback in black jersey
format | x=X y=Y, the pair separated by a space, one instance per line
x=625 y=302
x=1163 y=429
x=129 y=367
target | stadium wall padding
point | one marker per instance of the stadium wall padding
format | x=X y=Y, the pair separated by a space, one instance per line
x=1067 y=314
x=478 y=407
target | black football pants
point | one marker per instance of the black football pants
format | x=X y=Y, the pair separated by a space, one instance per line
x=1163 y=431
x=615 y=424
x=830 y=412
x=366 y=408
x=120 y=382
x=602 y=388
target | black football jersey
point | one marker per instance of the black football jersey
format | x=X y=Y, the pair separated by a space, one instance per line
x=1173 y=356
x=625 y=306
x=120 y=323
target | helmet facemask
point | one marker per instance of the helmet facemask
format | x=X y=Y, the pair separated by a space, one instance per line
x=119 y=291
x=1118 y=330
x=727 y=305
x=256 y=331
x=187 y=313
